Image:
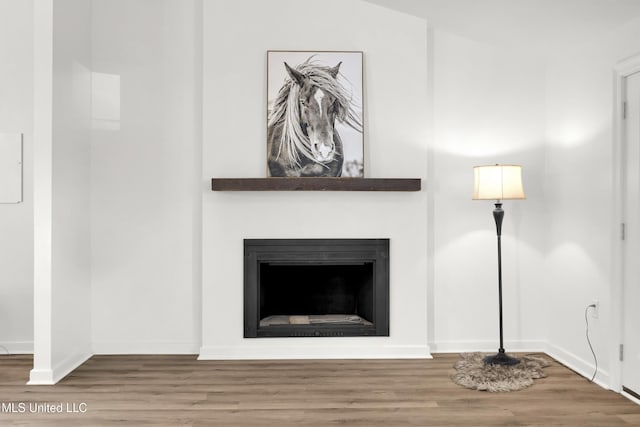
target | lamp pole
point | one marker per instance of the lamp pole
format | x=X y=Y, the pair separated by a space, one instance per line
x=501 y=358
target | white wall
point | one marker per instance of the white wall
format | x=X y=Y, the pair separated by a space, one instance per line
x=71 y=267
x=580 y=191
x=145 y=177
x=488 y=107
x=456 y=103
x=554 y=115
x=16 y=220
x=236 y=37
x=62 y=236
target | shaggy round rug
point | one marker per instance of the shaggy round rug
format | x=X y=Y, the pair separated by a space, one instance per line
x=473 y=373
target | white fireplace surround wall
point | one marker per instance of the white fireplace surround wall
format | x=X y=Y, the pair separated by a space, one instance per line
x=395 y=78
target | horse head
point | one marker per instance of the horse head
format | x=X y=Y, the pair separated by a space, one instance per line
x=317 y=114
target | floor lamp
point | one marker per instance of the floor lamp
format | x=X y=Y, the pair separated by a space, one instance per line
x=498 y=182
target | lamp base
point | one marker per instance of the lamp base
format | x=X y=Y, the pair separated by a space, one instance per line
x=501 y=359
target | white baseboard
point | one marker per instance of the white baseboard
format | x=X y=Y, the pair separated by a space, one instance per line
x=41 y=377
x=630 y=397
x=578 y=365
x=274 y=352
x=61 y=370
x=141 y=347
x=16 y=347
x=487 y=346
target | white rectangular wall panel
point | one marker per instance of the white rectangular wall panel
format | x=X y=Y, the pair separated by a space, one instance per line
x=10 y=167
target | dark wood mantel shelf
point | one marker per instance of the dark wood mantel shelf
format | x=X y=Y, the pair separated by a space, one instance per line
x=316 y=184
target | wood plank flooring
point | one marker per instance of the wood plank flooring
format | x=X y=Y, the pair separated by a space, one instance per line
x=181 y=391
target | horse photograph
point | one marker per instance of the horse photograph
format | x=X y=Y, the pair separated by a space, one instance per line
x=314 y=114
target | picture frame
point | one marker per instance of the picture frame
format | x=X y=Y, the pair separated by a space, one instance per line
x=315 y=114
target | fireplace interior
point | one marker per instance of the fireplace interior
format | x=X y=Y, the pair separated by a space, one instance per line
x=331 y=293
x=316 y=288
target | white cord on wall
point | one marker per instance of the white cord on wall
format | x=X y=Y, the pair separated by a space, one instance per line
x=586 y=320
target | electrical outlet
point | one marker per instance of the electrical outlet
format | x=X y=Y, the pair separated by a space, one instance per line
x=595 y=311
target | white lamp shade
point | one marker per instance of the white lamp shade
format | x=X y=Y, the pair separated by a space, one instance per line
x=498 y=182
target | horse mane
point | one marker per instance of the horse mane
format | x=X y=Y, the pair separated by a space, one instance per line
x=286 y=113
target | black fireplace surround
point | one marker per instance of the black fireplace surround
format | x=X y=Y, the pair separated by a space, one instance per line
x=316 y=287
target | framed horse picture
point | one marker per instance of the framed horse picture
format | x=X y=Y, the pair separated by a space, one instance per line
x=314 y=114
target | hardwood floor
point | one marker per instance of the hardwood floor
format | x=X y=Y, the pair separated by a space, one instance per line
x=180 y=391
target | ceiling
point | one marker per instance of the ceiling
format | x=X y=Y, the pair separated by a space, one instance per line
x=543 y=25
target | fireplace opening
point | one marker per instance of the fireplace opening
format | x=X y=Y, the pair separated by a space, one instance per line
x=316 y=287
x=316 y=294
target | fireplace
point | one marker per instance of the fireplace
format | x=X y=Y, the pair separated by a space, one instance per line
x=316 y=287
